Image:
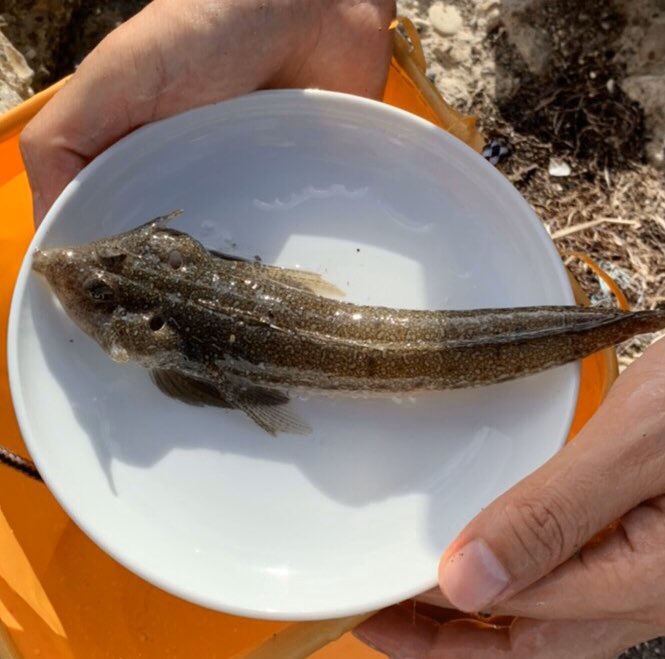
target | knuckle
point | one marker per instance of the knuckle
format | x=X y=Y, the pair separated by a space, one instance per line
x=540 y=529
x=27 y=139
x=107 y=45
x=30 y=145
x=657 y=618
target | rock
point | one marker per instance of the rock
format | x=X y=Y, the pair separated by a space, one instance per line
x=532 y=43
x=461 y=64
x=649 y=91
x=650 y=55
x=641 y=47
x=642 y=53
x=488 y=6
x=8 y=97
x=445 y=19
x=558 y=168
x=15 y=70
x=15 y=75
x=38 y=28
x=457 y=49
x=490 y=12
x=492 y=19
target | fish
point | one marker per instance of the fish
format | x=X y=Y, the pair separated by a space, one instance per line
x=218 y=330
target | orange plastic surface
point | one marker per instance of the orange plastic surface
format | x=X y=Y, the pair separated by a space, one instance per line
x=61 y=597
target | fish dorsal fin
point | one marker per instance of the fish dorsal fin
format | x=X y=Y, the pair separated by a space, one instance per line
x=311 y=282
x=305 y=280
x=188 y=389
x=229 y=257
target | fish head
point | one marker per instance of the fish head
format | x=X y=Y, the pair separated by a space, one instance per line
x=104 y=288
x=82 y=285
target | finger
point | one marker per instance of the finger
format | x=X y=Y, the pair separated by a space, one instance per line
x=400 y=635
x=434 y=604
x=399 y=632
x=352 y=53
x=617 y=462
x=622 y=577
x=538 y=639
x=49 y=164
x=434 y=597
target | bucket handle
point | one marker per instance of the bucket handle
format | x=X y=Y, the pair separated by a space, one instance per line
x=619 y=295
x=409 y=33
x=22 y=465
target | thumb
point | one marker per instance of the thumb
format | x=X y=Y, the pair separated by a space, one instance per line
x=616 y=463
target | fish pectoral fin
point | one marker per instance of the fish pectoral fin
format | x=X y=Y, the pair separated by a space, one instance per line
x=188 y=389
x=305 y=280
x=269 y=409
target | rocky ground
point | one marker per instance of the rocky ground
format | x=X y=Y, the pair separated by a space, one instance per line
x=576 y=91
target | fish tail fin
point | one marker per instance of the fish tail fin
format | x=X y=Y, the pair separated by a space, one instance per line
x=650 y=320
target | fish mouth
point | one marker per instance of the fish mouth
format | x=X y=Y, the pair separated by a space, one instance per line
x=40 y=261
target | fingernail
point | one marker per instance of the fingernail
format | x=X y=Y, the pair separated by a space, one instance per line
x=473 y=577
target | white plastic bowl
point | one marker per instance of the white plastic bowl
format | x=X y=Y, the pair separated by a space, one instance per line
x=201 y=502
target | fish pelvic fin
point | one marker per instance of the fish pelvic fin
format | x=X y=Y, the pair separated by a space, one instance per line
x=269 y=409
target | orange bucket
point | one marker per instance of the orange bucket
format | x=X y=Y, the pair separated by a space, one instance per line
x=61 y=597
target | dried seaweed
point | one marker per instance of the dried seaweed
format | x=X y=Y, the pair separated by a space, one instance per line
x=612 y=205
x=616 y=216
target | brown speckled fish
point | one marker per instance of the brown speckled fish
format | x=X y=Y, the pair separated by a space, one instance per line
x=215 y=330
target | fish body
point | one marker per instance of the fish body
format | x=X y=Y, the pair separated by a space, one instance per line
x=217 y=330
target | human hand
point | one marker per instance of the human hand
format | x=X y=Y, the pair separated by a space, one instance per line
x=524 y=555
x=176 y=54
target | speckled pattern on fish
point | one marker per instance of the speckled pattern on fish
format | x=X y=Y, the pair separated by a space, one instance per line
x=217 y=330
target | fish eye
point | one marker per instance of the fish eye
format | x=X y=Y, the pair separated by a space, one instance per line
x=98 y=290
x=175 y=259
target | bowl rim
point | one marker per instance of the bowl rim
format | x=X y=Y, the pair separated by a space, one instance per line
x=351 y=102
